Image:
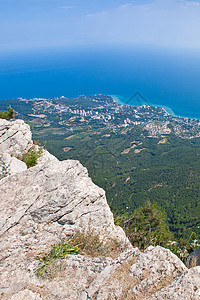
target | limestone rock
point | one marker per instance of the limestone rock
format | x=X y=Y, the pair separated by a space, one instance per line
x=138 y=277
x=154 y=269
x=10 y=165
x=59 y=192
x=185 y=287
x=46 y=157
x=41 y=206
x=26 y=294
x=111 y=283
x=193 y=259
x=15 y=137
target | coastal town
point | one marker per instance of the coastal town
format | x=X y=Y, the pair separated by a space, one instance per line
x=132 y=152
x=104 y=111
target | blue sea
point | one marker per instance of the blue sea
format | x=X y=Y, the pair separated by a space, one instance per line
x=159 y=77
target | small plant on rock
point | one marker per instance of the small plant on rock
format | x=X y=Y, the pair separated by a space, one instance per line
x=91 y=244
x=82 y=242
x=4 y=171
x=58 y=251
x=30 y=158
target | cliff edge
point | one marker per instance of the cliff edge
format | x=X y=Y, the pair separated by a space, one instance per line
x=44 y=204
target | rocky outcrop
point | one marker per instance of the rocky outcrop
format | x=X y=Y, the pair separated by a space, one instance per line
x=185 y=287
x=15 y=140
x=193 y=259
x=140 y=276
x=15 y=137
x=44 y=204
x=82 y=277
x=10 y=165
x=56 y=192
x=155 y=268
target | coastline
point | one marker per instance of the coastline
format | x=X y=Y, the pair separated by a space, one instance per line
x=119 y=99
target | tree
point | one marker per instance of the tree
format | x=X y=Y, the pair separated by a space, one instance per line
x=148 y=227
x=9 y=114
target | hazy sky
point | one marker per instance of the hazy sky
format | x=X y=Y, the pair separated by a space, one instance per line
x=50 y=23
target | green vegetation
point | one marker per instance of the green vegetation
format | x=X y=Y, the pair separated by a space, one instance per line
x=4 y=171
x=167 y=174
x=148 y=227
x=128 y=164
x=9 y=114
x=182 y=248
x=82 y=242
x=30 y=158
x=58 y=251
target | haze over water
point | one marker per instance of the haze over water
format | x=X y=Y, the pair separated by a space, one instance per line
x=163 y=77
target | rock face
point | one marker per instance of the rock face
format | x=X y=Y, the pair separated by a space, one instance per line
x=15 y=140
x=155 y=268
x=10 y=165
x=59 y=192
x=15 y=137
x=140 y=276
x=193 y=259
x=44 y=204
x=183 y=287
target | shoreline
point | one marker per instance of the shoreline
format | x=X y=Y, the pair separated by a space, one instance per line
x=169 y=110
x=118 y=99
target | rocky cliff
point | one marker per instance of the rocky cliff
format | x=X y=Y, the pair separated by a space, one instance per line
x=44 y=204
x=193 y=259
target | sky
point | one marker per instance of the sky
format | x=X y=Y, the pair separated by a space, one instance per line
x=31 y=24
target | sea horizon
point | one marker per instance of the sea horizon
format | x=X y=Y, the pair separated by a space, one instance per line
x=163 y=78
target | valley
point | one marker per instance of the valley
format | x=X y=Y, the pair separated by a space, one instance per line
x=133 y=153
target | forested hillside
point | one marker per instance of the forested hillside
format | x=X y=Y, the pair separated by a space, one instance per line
x=128 y=163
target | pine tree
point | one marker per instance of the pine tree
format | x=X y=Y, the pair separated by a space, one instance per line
x=148 y=226
x=9 y=114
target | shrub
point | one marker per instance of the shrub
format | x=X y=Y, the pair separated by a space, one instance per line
x=9 y=114
x=148 y=227
x=30 y=158
x=4 y=171
x=90 y=243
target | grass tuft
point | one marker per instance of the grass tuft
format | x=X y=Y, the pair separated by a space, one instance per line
x=30 y=158
x=58 y=251
x=82 y=242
